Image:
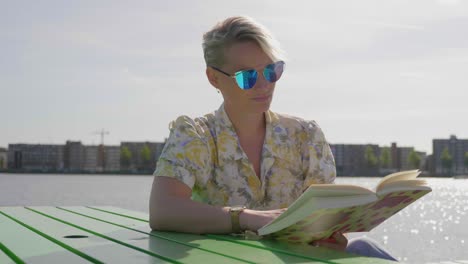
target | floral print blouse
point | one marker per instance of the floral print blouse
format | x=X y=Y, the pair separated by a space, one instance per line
x=205 y=154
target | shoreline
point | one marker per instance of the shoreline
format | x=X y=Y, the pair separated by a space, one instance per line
x=80 y=173
x=148 y=173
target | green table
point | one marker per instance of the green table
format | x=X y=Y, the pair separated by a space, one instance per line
x=106 y=234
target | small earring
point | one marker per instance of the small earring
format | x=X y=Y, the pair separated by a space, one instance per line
x=218 y=90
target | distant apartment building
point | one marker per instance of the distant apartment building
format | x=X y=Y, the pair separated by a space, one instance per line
x=424 y=160
x=350 y=159
x=90 y=159
x=74 y=153
x=143 y=155
x=456 y=152
x=102 y=158
x=404 y=158
x=83 y=158
x=78 y=158
x=400 y=158
x=112 y=158
x=3 y=159
x=35 y=157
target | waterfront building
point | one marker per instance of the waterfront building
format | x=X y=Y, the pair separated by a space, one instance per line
x=99 y=158
x=90 y=159
x=365 y=159
x=350 y=159
x=74 y=156
x=143 y=155
x=3 y=159
x=35 y=157
x=404 y=158
x=401 y=158
x=112 y=158
x=457 y=149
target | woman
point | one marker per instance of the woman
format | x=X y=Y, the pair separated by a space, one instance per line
x=239 y=167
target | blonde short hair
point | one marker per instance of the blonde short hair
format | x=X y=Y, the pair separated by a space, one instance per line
x=237 y=29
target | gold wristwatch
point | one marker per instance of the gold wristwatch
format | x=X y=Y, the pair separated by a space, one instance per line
x=235 y=211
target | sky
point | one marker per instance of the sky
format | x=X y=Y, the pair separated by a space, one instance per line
x=368 y=72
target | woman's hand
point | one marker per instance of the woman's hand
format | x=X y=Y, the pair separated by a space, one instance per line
x=253 y=220
x=337 y=241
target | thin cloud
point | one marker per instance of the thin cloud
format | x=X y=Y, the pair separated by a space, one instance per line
x=387 y=25
x=448 y=2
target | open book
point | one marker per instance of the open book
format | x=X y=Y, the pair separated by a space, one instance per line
x=327 y=208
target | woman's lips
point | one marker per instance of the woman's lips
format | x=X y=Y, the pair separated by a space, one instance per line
x=262 y=98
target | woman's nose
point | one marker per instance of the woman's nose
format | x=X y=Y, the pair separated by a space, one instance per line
x=261 y=83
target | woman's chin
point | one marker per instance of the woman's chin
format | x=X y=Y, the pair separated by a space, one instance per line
x=262 y=107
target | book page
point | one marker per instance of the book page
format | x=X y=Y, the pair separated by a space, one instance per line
x=406 y=185
x=398 y=176
x=334 y=190
x=308 y=205
x=324 y=190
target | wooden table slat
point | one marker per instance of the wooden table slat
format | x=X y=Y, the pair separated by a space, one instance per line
x=304 y=250
x=96 y=247
x=123 y=212
x=138 y=240
x=25 y=243
x=10 y=258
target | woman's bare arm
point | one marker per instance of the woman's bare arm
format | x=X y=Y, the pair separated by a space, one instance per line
x=171 y=209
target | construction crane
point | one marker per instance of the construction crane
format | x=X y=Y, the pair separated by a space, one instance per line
x=102 y=133
x=101 y=158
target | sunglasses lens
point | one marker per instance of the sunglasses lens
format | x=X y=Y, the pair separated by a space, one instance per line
x=246 y=79
x=274 y=71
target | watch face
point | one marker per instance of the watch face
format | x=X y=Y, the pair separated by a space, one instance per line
x=236 y=208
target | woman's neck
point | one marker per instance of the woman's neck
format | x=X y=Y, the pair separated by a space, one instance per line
x=247 y=125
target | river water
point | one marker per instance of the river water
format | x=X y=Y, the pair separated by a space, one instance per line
x=432 y=230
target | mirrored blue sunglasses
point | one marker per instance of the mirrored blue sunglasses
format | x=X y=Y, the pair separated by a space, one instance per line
x=246 y=79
